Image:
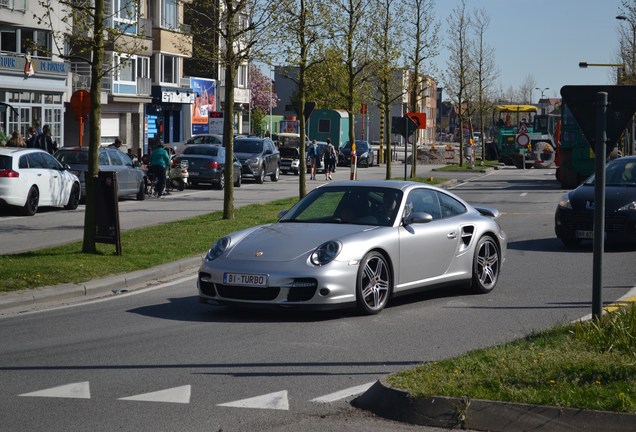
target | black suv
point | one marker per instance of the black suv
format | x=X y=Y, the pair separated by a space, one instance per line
x=259 y=157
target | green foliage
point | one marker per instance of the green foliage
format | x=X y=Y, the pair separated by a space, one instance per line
x=258 y=121
x=588 y=365
x=142 y=248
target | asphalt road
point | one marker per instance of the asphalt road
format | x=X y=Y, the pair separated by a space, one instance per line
x=157 y=360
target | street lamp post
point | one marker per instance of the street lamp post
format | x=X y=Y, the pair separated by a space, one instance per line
x=542 y=98
x=271 y=97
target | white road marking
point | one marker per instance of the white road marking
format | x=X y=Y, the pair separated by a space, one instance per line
x=277 y=400
x=524 y=194
x=351 y=391
x=173 y=395
x=78 y=390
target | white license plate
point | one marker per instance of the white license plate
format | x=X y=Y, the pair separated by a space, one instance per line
x=584 y=234
x=193 y=173
x=245 y=279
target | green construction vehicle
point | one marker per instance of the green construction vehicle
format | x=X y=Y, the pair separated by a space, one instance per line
x=522 y=137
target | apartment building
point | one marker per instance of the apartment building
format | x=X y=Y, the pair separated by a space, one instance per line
x=34 y=82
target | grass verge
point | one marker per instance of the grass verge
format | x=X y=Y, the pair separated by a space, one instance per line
x=587 y=365
x=141 y=248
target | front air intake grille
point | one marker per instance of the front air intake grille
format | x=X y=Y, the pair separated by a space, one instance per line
x=247 y=293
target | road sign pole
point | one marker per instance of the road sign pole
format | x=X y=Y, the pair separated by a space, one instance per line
x=599 y=204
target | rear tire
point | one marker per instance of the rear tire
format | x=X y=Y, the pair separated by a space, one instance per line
x=373 y=285
x=486 y=265
x=237 y=183
x=275 y=175
x=33 y=199
x=141 y=194
x=74 y=198
x=221 y=183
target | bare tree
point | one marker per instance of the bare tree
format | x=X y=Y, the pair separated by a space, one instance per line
x=300 y=30
x=351 y=26
x=485 y=70
x=422 y=29
x=526 y=88
x=240 y=26
x=627 y=39
x=387 y=50
x=89 y=33
x=458 y=72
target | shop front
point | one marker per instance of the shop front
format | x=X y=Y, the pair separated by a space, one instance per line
x=168 y=116
x=37 y=89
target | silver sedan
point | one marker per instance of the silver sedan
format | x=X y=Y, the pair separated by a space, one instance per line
x=357 y=244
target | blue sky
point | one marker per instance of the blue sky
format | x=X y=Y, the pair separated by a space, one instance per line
x=546 y=39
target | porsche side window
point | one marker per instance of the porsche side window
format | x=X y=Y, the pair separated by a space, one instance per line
x=450 y=206
x=424 y=201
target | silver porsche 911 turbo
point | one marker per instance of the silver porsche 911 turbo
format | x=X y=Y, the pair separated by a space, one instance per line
x=357 y=243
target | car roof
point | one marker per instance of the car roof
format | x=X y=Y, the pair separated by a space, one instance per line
x=10 y=150
x=393 y=184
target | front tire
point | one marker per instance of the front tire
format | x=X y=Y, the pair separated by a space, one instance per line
x=221 y=183
x=373 y=285
x=237 y=183
x=33 y=199
x=74 y=198
x=260 y=178
x=486 y=265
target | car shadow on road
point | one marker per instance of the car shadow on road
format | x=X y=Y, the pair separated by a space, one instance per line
x=189 y=309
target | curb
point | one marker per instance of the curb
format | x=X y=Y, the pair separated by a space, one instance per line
x=97 y=287
x=493 y=416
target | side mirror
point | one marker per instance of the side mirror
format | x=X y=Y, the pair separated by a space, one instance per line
x=417 y=218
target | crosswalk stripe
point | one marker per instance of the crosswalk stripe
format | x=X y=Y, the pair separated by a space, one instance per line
x=172 y=395
x=277 y=400
x=351 y=391
x=78 y=390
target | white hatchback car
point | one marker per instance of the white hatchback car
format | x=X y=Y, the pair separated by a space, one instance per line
x=30 y=178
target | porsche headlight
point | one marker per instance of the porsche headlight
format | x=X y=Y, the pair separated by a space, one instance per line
x=628 y=207
x=218 y=248
x=325 y=253
x=564 y=202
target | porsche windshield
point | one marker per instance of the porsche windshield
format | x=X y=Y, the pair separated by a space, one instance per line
x=351 y=205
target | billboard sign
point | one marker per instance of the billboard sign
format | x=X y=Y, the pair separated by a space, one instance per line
x=204 y=103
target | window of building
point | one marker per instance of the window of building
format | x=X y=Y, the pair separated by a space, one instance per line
x=169 y=69
x=143 y=67
x=125 y=15
x=126 y=68
x=36 y=42
x=170 y=18
x=241 y=76
x=8 y=41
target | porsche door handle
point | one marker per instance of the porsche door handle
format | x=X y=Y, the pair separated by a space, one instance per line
x=451 y=235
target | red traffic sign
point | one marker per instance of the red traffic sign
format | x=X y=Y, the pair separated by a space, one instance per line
x=418 y=118
x=523 y=139
x=81 y=102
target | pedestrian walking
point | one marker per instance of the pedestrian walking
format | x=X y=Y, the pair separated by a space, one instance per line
x=159 y=162
x=45 y=141
x=116 y=144
x=313 y=159
x=330 y=160
x=31 y=137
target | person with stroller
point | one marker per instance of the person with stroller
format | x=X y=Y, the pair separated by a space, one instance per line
x=158 y=164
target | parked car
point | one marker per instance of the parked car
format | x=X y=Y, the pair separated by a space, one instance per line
x=259 y=158
x=32 y=178
x=364 y=154
x=574 y=218
x=131 y=179
x=178 y=147
x=357 y=243
x=206 y=164
x=289 y=148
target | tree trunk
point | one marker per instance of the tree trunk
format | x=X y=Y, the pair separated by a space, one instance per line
x=90 y=213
